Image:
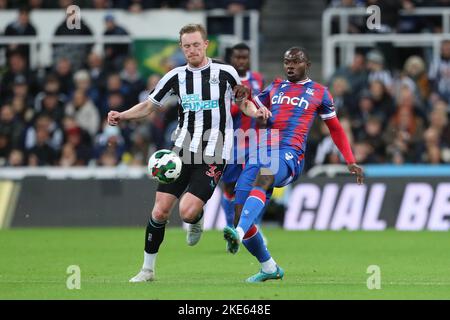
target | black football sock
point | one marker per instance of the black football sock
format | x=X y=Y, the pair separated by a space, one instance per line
x=154 y=235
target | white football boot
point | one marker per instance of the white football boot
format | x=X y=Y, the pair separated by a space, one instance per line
x=143 y=276
x=194 y=232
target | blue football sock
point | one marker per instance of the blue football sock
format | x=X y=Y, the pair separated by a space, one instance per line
x=255 y=245
x=259 y=218
x=228 y=207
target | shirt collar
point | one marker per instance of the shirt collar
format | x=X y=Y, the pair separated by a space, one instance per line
x=201 y=68
x=301 y=82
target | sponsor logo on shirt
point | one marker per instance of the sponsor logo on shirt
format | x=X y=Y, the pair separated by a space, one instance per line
x=193 y=102
x=280 y=98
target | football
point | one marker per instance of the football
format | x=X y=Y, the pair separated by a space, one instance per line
x=164 y=166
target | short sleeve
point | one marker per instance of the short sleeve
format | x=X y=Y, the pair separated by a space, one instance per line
x=232 y=75
x=326 y=109
x=164 y=89
x=263 y=98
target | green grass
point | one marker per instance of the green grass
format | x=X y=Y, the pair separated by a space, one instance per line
x=318 y=265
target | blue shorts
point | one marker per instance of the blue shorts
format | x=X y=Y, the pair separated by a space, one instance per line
x=234 y=168
x=286 y=167
x=232 y=172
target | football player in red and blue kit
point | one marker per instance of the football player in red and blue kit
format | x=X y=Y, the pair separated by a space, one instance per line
x=293 y=104
x=240 y=60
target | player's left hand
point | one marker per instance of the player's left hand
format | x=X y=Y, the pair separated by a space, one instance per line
x=240 y=92
x=355 y=169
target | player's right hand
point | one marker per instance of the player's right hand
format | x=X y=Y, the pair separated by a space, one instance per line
x=358 y=171
x=113 y=118
x=240 y=92
x=263 y=114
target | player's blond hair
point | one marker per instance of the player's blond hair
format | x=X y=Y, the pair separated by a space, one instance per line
x=193 y=27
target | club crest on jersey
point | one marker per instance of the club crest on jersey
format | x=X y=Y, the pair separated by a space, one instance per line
x=280 y=98
x=310 y=91
x=214 y=80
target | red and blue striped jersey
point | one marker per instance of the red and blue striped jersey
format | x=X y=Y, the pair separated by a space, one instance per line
x=253 y=81
x=294 y=106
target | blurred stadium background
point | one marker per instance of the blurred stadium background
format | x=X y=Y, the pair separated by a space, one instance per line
x=61 y=165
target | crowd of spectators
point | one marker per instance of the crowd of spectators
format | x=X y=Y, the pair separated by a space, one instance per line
x=393 y=103
x=56 y=116
x=390 y=116
x=62 y=121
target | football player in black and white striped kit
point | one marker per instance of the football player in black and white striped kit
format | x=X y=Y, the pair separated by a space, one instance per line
x=203 y=138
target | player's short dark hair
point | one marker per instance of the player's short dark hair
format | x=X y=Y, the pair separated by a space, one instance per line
x=194 y=27
x=300 y=49
x=240 y=46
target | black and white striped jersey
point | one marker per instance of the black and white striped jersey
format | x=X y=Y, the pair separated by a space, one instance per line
x=204 y=101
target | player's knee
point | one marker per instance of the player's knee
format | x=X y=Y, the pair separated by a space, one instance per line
x=265 y=179
x=160 y=213
x=228 y=189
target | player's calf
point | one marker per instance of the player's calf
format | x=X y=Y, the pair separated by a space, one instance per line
x=265 y=179
x=191 y=212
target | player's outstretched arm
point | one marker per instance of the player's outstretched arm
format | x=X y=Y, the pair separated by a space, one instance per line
x=250 y=109
x=241 y=97
x=138 y=111
x=340 y=140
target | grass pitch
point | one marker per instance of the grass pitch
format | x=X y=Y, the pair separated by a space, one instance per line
x=318 y=265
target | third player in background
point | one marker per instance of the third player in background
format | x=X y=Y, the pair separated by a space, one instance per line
x=240 y=60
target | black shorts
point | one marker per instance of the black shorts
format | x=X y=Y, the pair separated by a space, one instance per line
x=198 y=179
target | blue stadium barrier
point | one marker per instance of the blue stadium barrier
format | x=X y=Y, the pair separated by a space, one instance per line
x=407 y=170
